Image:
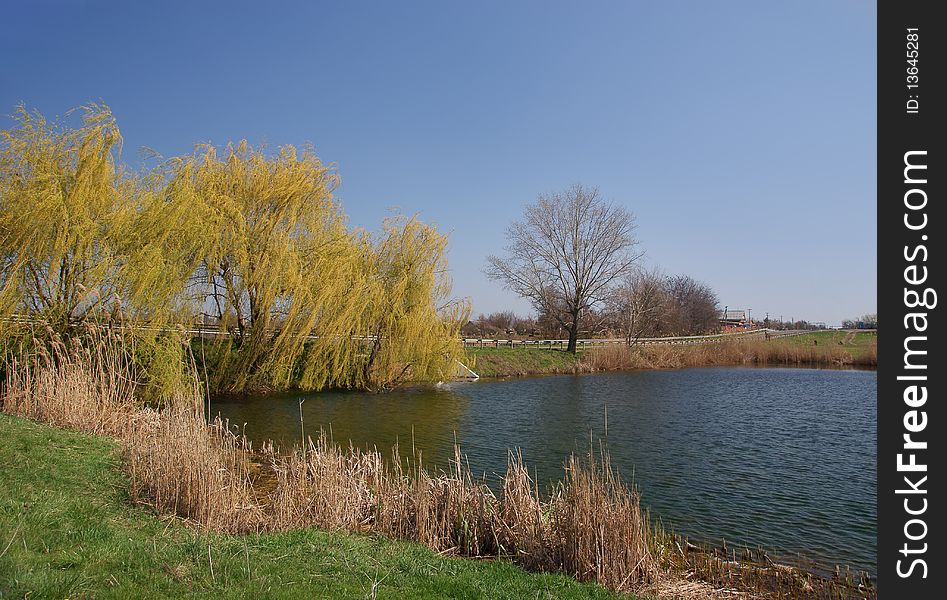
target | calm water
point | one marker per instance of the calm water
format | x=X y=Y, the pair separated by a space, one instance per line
x=779 y=458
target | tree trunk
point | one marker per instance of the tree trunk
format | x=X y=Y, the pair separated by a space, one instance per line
x=573 y=334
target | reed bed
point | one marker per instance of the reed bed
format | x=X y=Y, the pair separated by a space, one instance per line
x=591 y=526
x=82 y=384
x=526 y=528
x=323 y=485
x=601 y=529
x=177 y=464
x=743 y=352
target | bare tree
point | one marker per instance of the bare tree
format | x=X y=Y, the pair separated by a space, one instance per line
x=693 y=306
x=566 y=253
x=639 y=303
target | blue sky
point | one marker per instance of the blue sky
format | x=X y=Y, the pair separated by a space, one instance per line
x=741 y=134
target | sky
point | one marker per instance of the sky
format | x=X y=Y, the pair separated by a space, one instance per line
x=740 y=134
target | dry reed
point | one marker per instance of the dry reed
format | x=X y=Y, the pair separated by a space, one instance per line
x=602 y=533
x=526 y=529
x=324 y=486
x=81 y=384
x=176 y=462
x=591 y=527
x=179 y=464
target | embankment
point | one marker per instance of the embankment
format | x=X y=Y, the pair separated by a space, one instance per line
x=829 y=349
x=67 y=530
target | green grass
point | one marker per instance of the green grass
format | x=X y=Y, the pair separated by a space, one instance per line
x=857 y=343
x=68 y=531
x=507 y=362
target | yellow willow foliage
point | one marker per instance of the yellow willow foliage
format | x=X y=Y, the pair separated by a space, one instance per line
x=62 y=213
x=248 y=241
x=273 y=262
x=413 y=327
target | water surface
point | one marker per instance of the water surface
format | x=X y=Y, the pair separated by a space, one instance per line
x=779 y=458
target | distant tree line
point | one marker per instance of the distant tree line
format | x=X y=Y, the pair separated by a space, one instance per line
x=249 y=241
x=642 y=304
x=793 y=324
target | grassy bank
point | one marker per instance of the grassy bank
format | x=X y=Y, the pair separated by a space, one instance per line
x=861 y=346
x=817 y=349
x=517 y=362
x=67 y=530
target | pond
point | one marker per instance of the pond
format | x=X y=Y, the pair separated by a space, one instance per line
x=779 y=458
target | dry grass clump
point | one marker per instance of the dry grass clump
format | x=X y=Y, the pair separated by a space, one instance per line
x=526 y=528
x=602 y=533
x=177 y=463
x=360 y=491
x=614 y=358
x=180 y=465
x=83 y=384
x=592 y=526
x=448 y=511
x=323 y=485
x=451 y=511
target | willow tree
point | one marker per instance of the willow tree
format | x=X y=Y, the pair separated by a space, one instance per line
x=273 y=262
x=63 y=208
x=413 y=324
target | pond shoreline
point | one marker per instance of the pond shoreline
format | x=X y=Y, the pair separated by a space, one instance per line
x=713 y=571
x=178 y=464
x=819 y=349
x=528 y=373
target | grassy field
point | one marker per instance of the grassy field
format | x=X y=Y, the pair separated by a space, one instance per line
x=857 y=343
x=68 y=531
